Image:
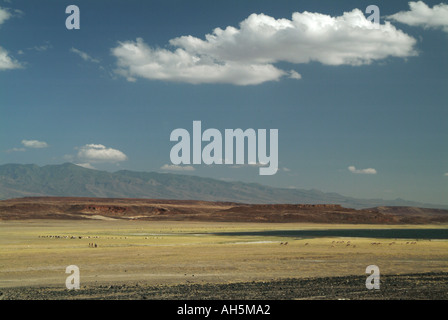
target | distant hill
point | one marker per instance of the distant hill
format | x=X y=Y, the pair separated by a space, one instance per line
x=131 y=209
x=69 y=180
x=416 y=212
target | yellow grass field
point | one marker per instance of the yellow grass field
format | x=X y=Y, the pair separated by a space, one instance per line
x=179 y=252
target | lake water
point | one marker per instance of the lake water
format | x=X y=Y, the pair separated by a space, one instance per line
x=350 y=233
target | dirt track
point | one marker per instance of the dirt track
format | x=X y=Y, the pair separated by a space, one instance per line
x=427 y=286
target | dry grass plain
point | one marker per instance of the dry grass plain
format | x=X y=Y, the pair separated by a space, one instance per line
x=165 y=253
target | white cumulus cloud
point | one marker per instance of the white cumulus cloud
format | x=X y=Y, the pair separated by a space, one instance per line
x=100 y=153
x=4 y=15
x=361 y=171
x=246 y=55
x=294 y=75
x=7 y=62
x=34 y=144
x=136 y=59
x=420 y=14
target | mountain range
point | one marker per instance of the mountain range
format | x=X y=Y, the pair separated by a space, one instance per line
x=70 y=180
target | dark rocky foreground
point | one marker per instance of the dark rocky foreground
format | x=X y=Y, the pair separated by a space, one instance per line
x=427 y=286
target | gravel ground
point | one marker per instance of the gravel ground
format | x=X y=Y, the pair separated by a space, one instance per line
x=426 y=286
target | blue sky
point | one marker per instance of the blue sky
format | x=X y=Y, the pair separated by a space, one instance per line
x=359 y=111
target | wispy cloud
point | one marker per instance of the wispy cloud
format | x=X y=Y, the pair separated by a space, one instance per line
x=172 y=167
x=361 y=171
x=420 y=14
x=246 y=55
x=446 y=174
x=84 y=56
x=85 y=165
x=15 y=150
x=36 y=144
x=250 y=164
x=41 y=48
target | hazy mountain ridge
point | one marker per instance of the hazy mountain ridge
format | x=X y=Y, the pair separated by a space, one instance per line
x=69 y=180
